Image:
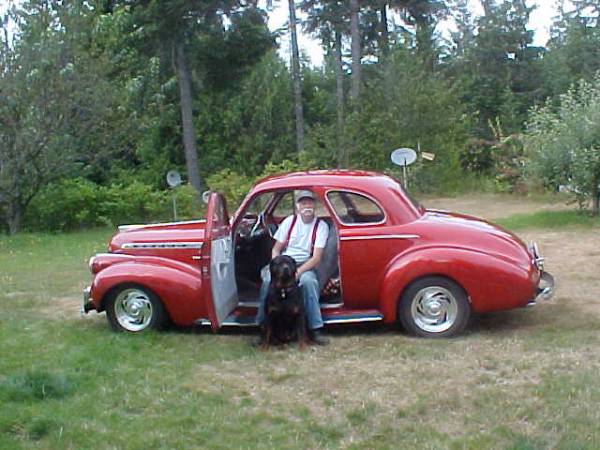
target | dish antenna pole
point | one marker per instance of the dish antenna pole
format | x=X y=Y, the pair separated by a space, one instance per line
x=404 y=157
x=174 y=180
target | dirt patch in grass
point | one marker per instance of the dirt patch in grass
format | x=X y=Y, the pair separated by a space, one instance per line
x=494 y=206
x=64 y=308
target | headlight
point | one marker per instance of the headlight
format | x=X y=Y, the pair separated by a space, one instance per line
x=91 y=264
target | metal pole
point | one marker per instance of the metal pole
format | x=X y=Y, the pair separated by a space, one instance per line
x=174 y=207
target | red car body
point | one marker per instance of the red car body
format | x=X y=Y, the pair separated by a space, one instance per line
x=190 y=267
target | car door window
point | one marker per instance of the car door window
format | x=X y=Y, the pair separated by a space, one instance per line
x=353 y=208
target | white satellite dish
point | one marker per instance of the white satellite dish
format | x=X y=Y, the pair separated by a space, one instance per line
x=404 y=156
x=173 y=178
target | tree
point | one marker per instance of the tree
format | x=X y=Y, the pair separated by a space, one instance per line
x=501 y=72
x=296 y=78
x=52 y=98
x=328 y=19
x=355 y=80
x=564 y=143
x=574 y=47
x=175 y=24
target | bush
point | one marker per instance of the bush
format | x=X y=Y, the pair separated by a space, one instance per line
x=78 y=203
x=65 y=205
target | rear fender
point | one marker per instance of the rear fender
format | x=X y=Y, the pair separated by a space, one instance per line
x=180 y=291
x=491 y=283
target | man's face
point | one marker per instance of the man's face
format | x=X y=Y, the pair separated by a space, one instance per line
x=306 y=209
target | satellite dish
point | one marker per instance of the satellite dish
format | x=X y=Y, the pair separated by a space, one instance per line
x=404 y=156
x=173 y=178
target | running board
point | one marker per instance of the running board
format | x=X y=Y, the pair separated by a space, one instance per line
x=341 y=316
x=253 y=304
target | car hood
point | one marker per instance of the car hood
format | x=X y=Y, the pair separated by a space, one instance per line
x=461 y=230
x=174 y=235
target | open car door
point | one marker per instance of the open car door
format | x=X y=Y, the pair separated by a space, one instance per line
x=218 y=265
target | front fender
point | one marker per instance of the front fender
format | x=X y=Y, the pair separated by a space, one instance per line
x=180 y=291
x=492 y=283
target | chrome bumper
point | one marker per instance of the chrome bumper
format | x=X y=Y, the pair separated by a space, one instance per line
x=87 y=302
x=545 y=289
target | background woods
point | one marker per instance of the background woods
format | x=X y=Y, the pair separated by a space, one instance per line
x=98 y=99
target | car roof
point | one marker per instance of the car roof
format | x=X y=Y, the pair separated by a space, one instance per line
x=331 y=178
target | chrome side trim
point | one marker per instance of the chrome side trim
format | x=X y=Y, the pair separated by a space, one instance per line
x=250 y=323
x=380 y=236
x=354 y=319
x=111 y=255
x=161 y=245
x=135 y=226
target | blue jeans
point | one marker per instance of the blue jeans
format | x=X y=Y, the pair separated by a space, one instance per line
x=309 y=287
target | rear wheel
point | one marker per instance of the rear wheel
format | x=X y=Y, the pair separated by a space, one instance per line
x=434 y=307
x=134 y=309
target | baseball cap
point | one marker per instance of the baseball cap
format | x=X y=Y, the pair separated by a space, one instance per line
x=304 y=194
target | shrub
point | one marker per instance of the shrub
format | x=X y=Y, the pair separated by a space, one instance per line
x=78 y=203
x=65 y=205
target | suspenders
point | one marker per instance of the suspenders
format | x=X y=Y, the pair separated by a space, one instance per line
x=313 y=237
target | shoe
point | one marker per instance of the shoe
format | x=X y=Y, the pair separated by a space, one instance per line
x=257 y=342
x=317 y=337
x=260 y=340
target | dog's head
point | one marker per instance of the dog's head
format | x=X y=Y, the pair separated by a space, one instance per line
x=283 y=271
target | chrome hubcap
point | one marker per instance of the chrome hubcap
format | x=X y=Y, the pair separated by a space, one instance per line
x=434 y=309
x=133 y=309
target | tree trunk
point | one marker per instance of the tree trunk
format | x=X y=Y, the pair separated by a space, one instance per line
x=384 y=40
x=356 y=44
x=596 y=196
x=15 y=213
x=487 y=7
x=296 y=79
x=339 y=93
x=189 y=135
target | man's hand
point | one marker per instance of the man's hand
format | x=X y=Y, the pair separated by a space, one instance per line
x=311 y=263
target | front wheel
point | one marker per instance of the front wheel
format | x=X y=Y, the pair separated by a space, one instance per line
x=134 y=309
x=434 y=307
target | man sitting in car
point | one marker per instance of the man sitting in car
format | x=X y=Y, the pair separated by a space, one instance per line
x=303 y=237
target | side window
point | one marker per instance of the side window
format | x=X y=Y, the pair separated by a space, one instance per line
x=353 y=208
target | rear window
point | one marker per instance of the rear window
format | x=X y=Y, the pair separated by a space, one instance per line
x=353 y=208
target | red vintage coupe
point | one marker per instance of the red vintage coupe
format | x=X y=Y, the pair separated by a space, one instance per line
x=387 y=259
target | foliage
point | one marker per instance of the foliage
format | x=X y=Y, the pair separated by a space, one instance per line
x=79 y=203
x=91 y=92
x=564 y=143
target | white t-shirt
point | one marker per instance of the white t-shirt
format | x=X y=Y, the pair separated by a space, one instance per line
x=299 y=245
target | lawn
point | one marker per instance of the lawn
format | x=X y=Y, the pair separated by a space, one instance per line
x=524 y=379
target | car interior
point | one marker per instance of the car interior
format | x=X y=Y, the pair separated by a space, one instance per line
x=254 y=241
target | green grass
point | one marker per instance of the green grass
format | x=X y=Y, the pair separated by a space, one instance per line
x=525 y=379
x=550 y=219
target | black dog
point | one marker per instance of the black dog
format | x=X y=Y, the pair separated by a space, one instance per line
x=284 y=308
